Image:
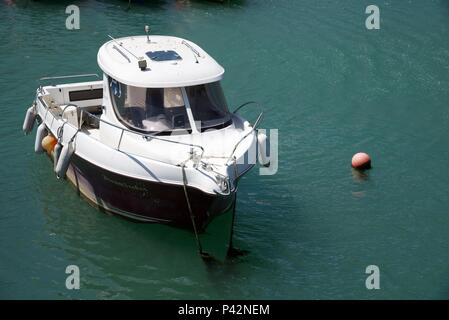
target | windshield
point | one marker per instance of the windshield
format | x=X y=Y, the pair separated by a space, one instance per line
x=163 y=110
x=208 y=105
x=149 y=109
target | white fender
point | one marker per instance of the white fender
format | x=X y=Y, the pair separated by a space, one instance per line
x=40 y=134
x=28 y=122
x=64 y=160
x=56 y=154
x=262 y=146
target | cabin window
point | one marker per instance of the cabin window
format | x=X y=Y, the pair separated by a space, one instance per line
x=208 y=105
x=149 y=109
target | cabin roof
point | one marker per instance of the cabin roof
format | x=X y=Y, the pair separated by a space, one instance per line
x=171 y=62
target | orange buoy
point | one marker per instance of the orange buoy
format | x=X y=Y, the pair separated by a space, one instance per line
x=361 y=161
x=48 y=143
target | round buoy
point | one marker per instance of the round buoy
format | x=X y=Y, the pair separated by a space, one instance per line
x=48 y=143
x=361 y=161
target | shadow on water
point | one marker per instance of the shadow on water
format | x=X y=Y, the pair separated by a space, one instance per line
x=124 y=253
x=30 y=3
x=129 y=4
x=124 y=4
x=145 y=258
x=180 y=4
x=360 y=175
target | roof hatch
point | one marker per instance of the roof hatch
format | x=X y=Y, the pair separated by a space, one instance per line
x=163 y=55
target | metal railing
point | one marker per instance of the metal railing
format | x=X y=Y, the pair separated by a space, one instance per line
x=70 y=76
x=253 y=127
x=145 y=136
x=151 y=136
x=39 y=81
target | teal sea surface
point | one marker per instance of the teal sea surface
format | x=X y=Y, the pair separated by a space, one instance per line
x=328 y=84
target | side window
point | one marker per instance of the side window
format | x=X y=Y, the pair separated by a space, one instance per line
x=118 y=99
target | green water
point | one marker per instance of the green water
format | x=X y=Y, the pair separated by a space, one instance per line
x=329 y=85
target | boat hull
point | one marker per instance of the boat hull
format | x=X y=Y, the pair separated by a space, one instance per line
x=144 y=200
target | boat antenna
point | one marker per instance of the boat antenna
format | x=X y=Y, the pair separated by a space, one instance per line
x=147 y=30
x=141 y=61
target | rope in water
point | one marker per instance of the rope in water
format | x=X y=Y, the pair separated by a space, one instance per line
x=192 y=217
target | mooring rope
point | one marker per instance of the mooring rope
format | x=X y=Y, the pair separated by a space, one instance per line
x=192 y=217
x=203 y=254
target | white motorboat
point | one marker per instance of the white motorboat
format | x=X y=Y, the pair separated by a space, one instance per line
x=153 y=140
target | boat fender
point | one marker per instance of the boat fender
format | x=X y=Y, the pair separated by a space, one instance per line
x=56 y=153
x=48 y=143
x=64 y=160
x=30 y=118
x=40 y=134
x=262 y=144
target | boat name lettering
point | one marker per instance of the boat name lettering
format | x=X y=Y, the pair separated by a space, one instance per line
x=124 y=184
